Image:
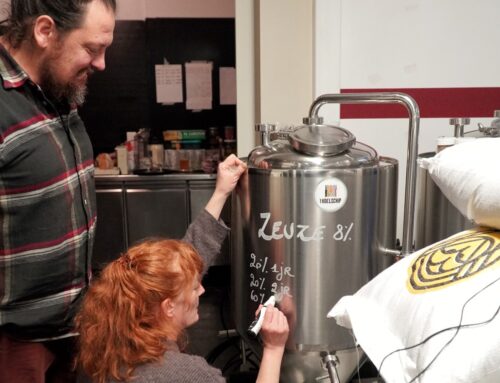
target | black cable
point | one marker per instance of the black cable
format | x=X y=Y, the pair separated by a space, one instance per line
x=457 y=328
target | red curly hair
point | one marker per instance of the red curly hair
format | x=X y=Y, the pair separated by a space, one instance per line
x=120 y=321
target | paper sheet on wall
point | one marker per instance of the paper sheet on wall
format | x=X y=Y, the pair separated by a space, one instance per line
x=198 y=85
x=227 y=85
x=168 y=83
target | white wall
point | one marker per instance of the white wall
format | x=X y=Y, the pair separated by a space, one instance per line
x=140 y=9
x=246 y=63
x=285 y=51
x=277 y=69
x=131 y=9
x=405 y=44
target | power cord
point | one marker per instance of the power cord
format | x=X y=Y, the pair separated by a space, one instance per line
x=457 y=328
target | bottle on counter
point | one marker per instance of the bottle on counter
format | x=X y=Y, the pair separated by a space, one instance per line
x=213 y=151
x=131 y=151
x=229 y=147
x=121 y=158
x=229 y=132
x=142 y=158
x=157 y=153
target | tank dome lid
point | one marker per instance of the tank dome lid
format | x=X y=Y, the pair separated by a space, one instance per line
x=321 y=140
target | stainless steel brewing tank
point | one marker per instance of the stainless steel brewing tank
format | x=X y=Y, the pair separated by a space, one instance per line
x=310 y=222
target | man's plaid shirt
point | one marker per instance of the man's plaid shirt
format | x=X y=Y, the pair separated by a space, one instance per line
x=47 y=209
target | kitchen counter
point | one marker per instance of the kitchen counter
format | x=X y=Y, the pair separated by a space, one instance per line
x=155 y=177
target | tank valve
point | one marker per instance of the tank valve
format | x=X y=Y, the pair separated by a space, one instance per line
x=329 y=362
x=313 y=120
x=459 y=124
x=494 y=129
x=265 y=131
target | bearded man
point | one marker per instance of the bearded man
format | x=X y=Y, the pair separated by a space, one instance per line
x=48 y=49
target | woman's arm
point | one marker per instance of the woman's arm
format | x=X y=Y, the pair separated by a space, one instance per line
x=207 y=233
x=274 y=334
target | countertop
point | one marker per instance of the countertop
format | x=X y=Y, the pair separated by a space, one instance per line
x=157 y=177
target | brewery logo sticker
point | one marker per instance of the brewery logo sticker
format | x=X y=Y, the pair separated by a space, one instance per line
x=454 y=260
x=331 y=194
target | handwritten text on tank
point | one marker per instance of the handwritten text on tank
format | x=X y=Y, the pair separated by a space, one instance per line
x=278 y=230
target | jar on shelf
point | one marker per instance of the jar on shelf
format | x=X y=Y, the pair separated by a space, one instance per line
x=229 y=132
x=229 y=147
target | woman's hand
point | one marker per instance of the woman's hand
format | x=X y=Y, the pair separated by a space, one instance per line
x=274 y=332
x=228 y=174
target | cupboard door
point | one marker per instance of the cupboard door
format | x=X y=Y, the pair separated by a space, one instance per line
x=156 y=211
x=110 y=238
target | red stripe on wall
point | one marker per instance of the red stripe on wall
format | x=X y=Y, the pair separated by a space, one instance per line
x=432 y=102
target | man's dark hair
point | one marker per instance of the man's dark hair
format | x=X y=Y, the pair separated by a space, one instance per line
x=67 y=15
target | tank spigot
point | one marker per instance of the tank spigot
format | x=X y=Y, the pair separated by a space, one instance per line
x=459 y=124
x=329 y=362
x=265 y=131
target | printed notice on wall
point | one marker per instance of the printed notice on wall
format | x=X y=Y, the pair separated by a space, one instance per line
x=227 y=85
x=198 y=85
x=168 y=83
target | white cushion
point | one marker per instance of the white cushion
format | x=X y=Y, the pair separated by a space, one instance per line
x=468 y=175
x=423 y=294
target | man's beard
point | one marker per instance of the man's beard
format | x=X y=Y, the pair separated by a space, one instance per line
x=70 y=91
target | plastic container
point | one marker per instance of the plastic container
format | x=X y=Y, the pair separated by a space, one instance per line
x=121 y=158
x=157 y=155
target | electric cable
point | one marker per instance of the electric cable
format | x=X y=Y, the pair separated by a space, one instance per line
x=457 y=328
x=358 y=357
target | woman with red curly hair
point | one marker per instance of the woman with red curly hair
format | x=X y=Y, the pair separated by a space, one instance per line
x=133 y=318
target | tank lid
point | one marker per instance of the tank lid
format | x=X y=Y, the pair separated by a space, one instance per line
x=321 y=140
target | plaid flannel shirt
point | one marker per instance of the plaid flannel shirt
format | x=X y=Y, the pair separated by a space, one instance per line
x=47 y=209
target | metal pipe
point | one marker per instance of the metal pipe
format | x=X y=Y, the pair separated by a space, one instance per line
x=330 y=362
x=411 y=164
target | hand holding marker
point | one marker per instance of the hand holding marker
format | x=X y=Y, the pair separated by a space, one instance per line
x=256 y=325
